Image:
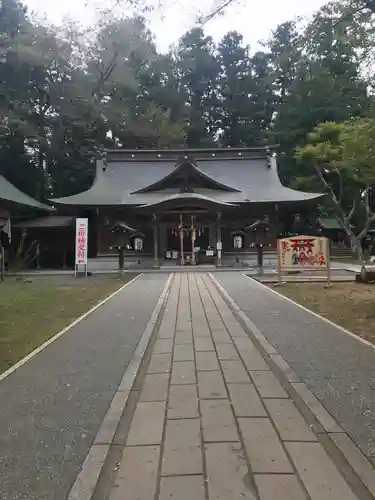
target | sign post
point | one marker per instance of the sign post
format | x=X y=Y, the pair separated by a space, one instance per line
x=2 y=263
x=279 y=277
x=303 y=253
x=81 y=246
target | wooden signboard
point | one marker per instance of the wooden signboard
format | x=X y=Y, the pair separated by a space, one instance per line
x=81 y=246
x=303 y=253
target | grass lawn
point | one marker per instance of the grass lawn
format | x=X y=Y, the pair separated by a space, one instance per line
x=33 y=310
x=350 y=305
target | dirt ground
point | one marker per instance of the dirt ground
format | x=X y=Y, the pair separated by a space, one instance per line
x=34 y=309
x=351 y=305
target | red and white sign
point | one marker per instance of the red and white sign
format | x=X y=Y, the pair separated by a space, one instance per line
x=81 y=243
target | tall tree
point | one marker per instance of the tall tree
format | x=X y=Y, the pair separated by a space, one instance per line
x=233 y=118
x=244 y=108
x=326 y=84
x=15 y=35
x=341 y=158
x=198 y=70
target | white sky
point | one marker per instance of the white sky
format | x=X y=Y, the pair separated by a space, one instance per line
x=253 y=18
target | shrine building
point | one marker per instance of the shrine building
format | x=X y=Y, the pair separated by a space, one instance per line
x=186 y=206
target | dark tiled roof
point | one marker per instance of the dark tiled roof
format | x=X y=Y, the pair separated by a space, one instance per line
x=46 y=222
x=330 y=223
x=9 y=194
x=250 y=176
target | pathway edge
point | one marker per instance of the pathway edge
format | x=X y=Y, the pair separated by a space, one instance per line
x=57 y=335
x=326 y=320
x=86 y=481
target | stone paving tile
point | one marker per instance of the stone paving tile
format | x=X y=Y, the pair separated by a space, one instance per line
x=182 y=448
x=211 y=385
x=217 y=421
x=214 y=322
x=183 y=373
x=226 y=351
x=206 y=361
x=147 y=424
x=319 y=475
x=160 y=363
x=183 y=322
x=234 y=372
x=245 y=401
x=225 y=313
x=183 y=337
x=183 y=332
x=182 y=488
x=263 y=447
x=221 y=336
x=268 y=385
x=183 y=401
x=288 y=420
x=228 y=475
x=155 y=387
x=228 y=318
x=201 y=331
x=203 y=344
x=250 y=354
x=238 y=332
x=166 y=331
x=183 y=352
x=163 y=346
x=137 y=473
x=279 y=487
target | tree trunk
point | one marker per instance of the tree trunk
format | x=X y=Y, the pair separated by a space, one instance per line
x=356 y=246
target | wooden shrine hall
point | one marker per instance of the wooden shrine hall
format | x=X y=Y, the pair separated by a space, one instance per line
x=186 y=206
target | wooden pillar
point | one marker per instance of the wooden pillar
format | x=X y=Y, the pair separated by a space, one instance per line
x=155 y=233
x=219 y=243
x=98 y=242
x=2 y=264
x=182 y=241
x=163 y=238
x=38 y=256
x=192 y=241
x=121 y=258
x=211 y=235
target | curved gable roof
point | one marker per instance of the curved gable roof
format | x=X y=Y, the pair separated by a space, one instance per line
x=184 y=170
x=187 y=198
x=142 y=181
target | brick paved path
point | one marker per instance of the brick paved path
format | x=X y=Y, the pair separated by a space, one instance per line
x=213 y=421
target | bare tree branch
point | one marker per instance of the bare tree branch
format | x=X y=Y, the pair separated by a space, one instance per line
x=351 y=212
x=216 y=12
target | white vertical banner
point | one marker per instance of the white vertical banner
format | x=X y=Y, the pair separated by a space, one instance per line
x=81 y=245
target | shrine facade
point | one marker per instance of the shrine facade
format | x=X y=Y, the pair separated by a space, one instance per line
x=186 y=206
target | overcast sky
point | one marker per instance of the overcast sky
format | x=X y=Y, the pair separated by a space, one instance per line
x=253 y=18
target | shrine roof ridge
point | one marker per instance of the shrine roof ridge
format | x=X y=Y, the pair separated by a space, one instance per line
x=194 y=153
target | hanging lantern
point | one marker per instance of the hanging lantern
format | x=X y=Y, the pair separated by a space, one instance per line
x=237 y=241
x=138 y=244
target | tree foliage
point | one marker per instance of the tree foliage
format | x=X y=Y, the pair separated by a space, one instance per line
x=66 y=95
x=341 y=157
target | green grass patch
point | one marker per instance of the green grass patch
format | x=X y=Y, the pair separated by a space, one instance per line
x=33 y=310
